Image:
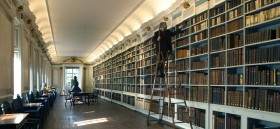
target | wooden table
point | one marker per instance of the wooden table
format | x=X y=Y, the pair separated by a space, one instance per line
x=32 y=105
x=44 y=95
x=12 y=121
x=80 y=94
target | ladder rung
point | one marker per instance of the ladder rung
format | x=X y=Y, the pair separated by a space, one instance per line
x=154 y=120
x=179 y=122
x=159 y=89
x=180 y=112
x=171 y=76
x=155 y=113
x=179 y=102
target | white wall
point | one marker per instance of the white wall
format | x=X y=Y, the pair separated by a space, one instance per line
x=6 y=54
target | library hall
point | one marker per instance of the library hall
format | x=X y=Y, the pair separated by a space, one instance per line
x=140 y=64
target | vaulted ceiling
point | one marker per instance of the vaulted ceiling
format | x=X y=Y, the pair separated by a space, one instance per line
x=87 y=28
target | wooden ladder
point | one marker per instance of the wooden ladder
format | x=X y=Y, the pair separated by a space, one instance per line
x=166 y=89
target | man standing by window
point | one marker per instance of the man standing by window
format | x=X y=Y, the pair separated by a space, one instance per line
x=76 y=87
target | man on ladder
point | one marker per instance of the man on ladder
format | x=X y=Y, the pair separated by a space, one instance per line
x=162 y=39
x=163 y=42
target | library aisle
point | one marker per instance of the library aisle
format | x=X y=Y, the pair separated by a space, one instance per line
x=105 y=115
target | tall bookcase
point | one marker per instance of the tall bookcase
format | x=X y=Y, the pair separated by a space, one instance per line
x=228 y=59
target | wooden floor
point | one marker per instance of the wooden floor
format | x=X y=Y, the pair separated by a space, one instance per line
x=105 y=115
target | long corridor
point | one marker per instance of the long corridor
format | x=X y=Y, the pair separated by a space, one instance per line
x=105 y=115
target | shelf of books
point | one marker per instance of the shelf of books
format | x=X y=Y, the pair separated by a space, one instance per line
x=228 y=60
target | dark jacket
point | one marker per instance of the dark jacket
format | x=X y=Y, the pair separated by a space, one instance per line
x=76 y=87
x=168 y=35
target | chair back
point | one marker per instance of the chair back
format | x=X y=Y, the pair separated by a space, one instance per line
x=16 y=106
x=32 y=97
x=20 y=102
x=27 y=98
x=6 y=108
x=37 y=94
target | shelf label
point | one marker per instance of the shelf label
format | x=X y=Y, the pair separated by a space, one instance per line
x=145 y=34
x=176 y=15
x=199 y=2
x=156 y=27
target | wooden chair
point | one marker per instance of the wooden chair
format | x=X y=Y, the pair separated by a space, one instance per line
x=69 y=98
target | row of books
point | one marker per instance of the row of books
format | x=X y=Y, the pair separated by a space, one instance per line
x=138 y=90
x=117 y=87
x=199 y=64
x=116 y=96
x=129 y=100
x=261 y=36
x=166 y=111
x=199 y=78
x=217 y=95
x=261 y=99
x=234 y=3
x=131 y=66
x=218 y=121
x=217 y=20
x=147 y=48
x=278 y=32
x=182 y=115
x=198 y=117
x=117 y=80
x=235 y=79
x=235 y=13
x=233 y=122
x=199 y=93
x=139 y=103
x=154 y=106
x=262 y=75
x=182 y=53
x=148 y=70
x=217 y=11
x=130 y=88
x=199 y=18
x=234 y=40
x=184 y=33
x=217 y=44
x=235 y=98
x=147 y=54
x=263 y=55
x=147 y=42
x=147 y=62
x=217 y=77
x=182 y=42
x=235 y=57
x=263 y=16
x=178 y=93
x=256 y=4
x=235 y=25
x=217 y=31
x=146 y=104
x=184 y=78
x=183 y=65
x=199 y=50
x=107 y=94
x=199 y=27
x=218 y=60
x=199 y=36
x=172 y=79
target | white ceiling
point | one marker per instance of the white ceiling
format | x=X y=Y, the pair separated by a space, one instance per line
x=87 y=28
x=80 y=26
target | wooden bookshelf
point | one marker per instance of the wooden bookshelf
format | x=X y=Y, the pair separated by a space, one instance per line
x=228 y=60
